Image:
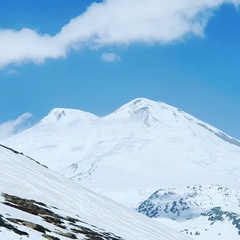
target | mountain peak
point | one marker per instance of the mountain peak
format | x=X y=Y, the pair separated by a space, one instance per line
x=140 y=110
x=141 y=103
x=67 y=115
x=153 y=140
x=58 y=113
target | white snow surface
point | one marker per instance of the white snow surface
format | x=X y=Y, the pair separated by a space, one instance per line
x=129 y=154
x=23 y=177
x=202 y=229
x=204 y=212
x=189 y=202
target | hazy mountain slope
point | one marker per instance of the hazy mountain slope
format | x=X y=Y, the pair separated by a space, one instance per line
x=36 y=203
x=134 y=151
x=204 y=212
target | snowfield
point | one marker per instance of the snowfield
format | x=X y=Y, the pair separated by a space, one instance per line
x=133 y=152
x=203 y=212
x=37 y=203
x=129 y=154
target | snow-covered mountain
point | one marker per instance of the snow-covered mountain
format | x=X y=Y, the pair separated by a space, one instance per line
x=129 y=154
x=36 y=203
x=202 y=212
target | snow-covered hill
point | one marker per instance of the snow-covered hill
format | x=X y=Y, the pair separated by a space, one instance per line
x=203 y=212
x=36 y=203
x=139 y=148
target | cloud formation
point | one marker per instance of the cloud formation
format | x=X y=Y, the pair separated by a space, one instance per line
x=110 y=57
x=112 y=22
x=12 y=127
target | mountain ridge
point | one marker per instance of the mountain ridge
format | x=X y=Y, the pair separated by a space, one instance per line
x=197 y=210
x=160 y=145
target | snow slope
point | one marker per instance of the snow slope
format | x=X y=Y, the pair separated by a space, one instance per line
x=36 y=203
x=139 y=148
x=204 y=212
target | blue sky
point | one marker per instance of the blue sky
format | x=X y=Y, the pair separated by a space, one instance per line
x=185 y=53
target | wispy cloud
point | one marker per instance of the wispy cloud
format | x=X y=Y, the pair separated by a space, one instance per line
x=112 y=22
x=110 y=57
x=9 y=72
x=12 y=127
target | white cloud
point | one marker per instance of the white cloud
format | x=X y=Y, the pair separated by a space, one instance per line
x=12 y=127
x=10 y=72
x=27 y=45
x=110 y=57
x=112 y=22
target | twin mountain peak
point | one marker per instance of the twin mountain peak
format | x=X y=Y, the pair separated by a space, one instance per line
x=141 y=111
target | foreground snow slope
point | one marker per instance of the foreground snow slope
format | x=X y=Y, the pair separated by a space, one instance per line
x=36 y=203
x=139 y=148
